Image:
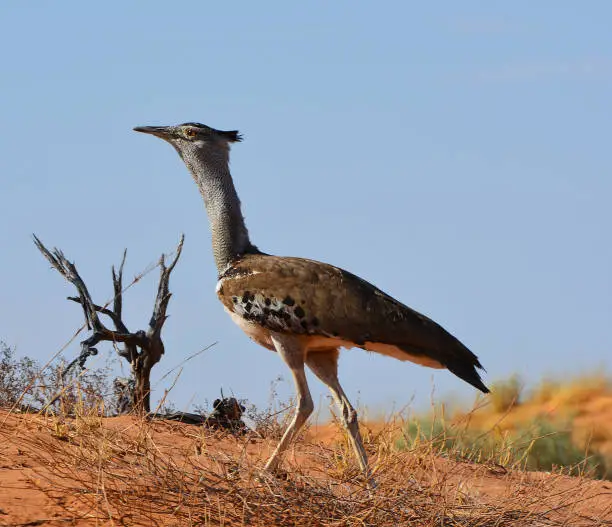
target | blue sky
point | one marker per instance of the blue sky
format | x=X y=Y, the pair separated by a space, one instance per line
x=455 y=154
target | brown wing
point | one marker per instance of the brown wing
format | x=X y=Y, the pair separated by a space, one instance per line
x=313 y=298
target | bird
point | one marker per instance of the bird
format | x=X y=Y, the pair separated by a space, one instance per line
x=303 y=309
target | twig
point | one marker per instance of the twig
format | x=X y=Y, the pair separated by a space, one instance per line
x=192 y=356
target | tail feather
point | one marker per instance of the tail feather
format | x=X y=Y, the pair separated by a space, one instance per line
x=453 y=355
x=468 y=373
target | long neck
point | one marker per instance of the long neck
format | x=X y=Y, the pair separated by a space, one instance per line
x=230 y=237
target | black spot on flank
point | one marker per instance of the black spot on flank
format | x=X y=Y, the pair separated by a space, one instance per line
x=299 y=312
x=288 y=301
x=248 y=306
x=304 y=324
x=315 y=321
x=282 y=314
x=267 y=301
x=246 y=297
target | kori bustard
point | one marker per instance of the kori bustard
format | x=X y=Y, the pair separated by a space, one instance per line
x=303 y=309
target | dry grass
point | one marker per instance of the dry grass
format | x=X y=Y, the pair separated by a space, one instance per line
x=129 y=471
x=74 y=466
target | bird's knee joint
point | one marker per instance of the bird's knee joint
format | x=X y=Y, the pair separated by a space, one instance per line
x=349 y=416
x=305 y=406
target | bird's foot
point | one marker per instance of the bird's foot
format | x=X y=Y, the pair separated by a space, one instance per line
x=371 y=485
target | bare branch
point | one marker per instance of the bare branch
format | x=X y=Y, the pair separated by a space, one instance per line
x=118 y=287
x=105 y=311
x=68 y=270
x=179 y=249
x=130 y=351
x=163 y=293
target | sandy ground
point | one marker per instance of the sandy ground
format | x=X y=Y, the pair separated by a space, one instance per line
x=36 y=490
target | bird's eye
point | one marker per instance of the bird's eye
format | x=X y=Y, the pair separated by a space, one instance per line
x=190 y=132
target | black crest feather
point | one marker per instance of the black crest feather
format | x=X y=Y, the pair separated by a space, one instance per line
x=232 y=135
x=196 y=125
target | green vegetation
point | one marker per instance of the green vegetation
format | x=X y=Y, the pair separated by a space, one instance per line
x=544 y=444
x=506 y=394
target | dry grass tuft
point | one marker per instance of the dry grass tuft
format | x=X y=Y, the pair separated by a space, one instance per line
x=129 y=471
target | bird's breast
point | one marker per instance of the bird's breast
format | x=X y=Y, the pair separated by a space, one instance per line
x=254 y=331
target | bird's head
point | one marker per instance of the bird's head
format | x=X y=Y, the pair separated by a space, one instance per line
x=194 y=139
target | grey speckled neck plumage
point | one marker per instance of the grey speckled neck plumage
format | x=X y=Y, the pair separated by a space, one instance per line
x=209 y=167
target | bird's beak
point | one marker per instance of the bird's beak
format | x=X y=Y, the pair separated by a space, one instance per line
x=159 y=131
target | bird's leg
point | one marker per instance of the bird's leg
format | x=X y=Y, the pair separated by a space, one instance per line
x=324 y=364
x=293 y=353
